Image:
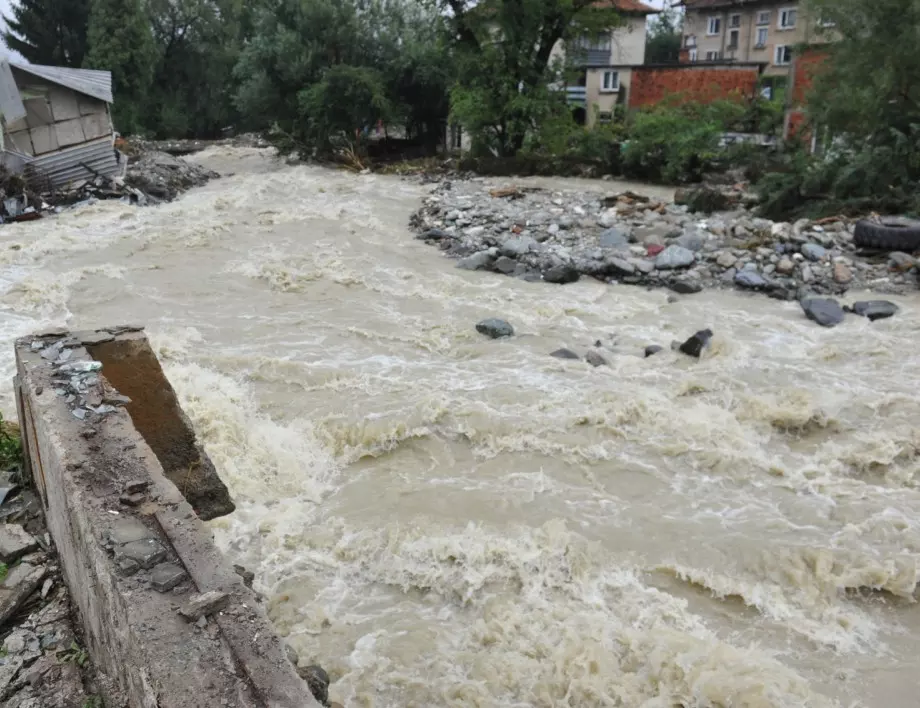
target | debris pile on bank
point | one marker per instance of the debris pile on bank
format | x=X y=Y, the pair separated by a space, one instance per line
x=560 y=236
x=42 y=660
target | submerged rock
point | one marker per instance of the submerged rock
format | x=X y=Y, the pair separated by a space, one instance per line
x=652 y=349
x=561 y=274
x=565 y=354
x=752 y=280
x=318 y=681
x=478 y=261
x=874 y=309
x=697 y=343
x=495 y=328
x=825 y=311
x=595 y=359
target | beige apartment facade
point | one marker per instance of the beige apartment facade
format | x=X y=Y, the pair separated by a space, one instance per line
x=746 y=31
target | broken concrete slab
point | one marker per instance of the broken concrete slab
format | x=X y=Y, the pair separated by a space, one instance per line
x=146 y=553
x=21 y=581
x=131 y=366
x=166 y=576
x=138 y=642
x=203 y=605
x=15 y=542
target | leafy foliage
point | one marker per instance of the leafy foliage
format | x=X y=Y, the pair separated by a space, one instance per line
x=677 y=144
x=120 y=40
x=663 y=38
x=10 y=446
x=48 y=31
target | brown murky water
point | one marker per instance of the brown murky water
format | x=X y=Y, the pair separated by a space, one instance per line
x=442 y=520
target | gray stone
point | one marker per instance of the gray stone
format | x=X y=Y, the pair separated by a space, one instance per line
x=166 y=576
x=477 y=261
x=517 y=246
x=564 y=354
x=561 y=274
x=495 y=328
x=291 y=654
x=750 y=279
x=620 y=266
x=901 y=261
x=128 y=530
x=695 y=345
x=204 y=605
x=825 y=311
x=15 y=542
x=875 y=309
x=674 y=257
x=317 y=681
x=686 y=286
x=146 y=552
x=504 y=265
x=785 y=266
x=434 y=234
x=813 y=251
x=692 y=241
x=643 y=266
x=807 y=275
x=652 y=349
x=21 y=581
x=726 y=259
x=614 y=238
x=595 y=359
x=655 y=235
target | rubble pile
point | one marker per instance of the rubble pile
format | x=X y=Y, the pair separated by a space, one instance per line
x=560 y=236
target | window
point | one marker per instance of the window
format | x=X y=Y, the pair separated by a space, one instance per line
x=715 y=25
x=762 y=33
x=787 y=18
x=690 y=41
x=783 y=54
x=733 y=39
x=763 y=17
x=605 y=117
x=734 y=21
x=693 y=54
x=610 y=81
x=713 y=56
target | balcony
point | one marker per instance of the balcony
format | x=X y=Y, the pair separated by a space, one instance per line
x=576 y=95
x=590 y=57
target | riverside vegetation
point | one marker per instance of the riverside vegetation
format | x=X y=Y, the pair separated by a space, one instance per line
x=317 y=75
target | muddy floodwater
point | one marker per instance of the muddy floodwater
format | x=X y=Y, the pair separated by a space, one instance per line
x=444 y=520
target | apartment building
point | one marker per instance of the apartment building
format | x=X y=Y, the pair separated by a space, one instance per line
x=601 y=68
x=758 y=31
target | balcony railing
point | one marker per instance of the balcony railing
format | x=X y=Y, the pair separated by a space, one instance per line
x=590 y=57
x=576 y=95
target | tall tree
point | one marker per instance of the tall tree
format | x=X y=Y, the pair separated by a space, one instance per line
x=663 y=38
x=120 y=40
x=504 y=50
x=48 y=31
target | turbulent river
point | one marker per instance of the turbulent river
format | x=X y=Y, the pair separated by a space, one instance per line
x=444 y=520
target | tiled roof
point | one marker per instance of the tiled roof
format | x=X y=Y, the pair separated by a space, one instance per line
x=631 y=6
x=704 y=4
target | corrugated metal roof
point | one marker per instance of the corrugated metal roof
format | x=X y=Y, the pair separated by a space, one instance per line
x=90 y=82
x=80 y=162
x=11 y=106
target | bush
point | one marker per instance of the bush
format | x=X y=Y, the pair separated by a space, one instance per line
x=677 y=144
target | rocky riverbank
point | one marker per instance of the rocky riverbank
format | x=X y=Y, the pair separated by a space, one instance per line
x=561 y=236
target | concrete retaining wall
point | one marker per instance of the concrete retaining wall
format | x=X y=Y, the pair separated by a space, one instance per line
x=166 y=620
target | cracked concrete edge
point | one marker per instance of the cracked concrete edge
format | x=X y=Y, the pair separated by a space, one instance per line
x=74 y=514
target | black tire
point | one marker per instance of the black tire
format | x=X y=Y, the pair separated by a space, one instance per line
x=892 y=234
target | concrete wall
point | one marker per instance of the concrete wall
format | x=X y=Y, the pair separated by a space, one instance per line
x=166 y=621
x=697 y=83
x=628 y=42
x=56 y=117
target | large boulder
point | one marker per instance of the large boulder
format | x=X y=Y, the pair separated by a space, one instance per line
x=517 y=246
x=697 y=343
x=614 y=238
x=477 y=261
x=495 y=328
x=674 y=257
x=825 y=311
x=561 y=274
x=874 y=309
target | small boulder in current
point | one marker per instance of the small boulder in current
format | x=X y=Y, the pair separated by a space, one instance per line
x=564 y=354
x=874 y=309
x=825 y=311
x=595 y=359
x=652 y=350
x=318 y=681
x=561 y=274
x=477 y=261
x=697 y=343
x=495 y=328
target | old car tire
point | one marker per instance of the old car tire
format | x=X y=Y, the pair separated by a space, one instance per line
x=890 y=235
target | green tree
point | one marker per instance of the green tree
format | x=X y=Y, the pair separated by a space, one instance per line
x=48 y=31
x=503 y=50
x=663 y=38
x=120 y=40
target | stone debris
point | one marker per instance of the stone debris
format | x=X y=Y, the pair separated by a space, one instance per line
x=560 y=236
x=15 y=542
x=318 y=681
x=204 y=604
x=495 y=328
x=145 y=553
x=166 y=576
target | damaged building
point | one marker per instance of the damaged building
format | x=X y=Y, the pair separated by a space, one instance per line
x=57 y=124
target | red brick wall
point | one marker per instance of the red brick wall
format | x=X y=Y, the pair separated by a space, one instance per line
x=651 y=86
x=806 y=65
